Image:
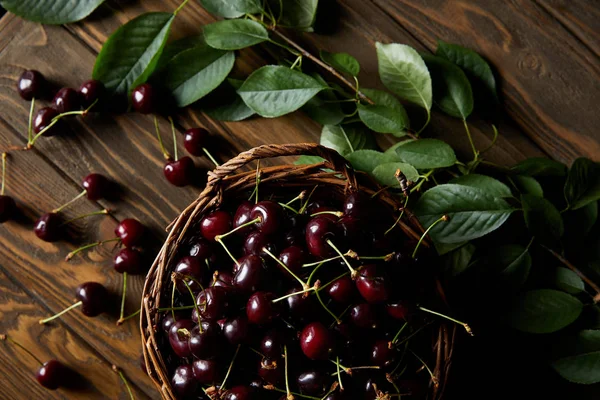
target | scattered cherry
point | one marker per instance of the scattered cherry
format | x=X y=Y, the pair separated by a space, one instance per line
x=372 y=285
x=49 y=227
x=260 y=309
x=236 y=330
x=94 y=298
x=195 y=141
x=242 y=216
x=90 y=91
x=52 y=375
x=343 y=290
x=129 y=261
x=214 y=224
x=313 y=382
x=271 y=371
x=31 y=84
x=382 y=353
x=293 y=257
x=316 y=341
x=180 y=172
x=270 y=215
x=249 y=275
x=66 y=99
x=256 y=242
x=43 y=119
x=272 y=344
x=143 y=99
x=96 y=186
x=364 y=316
x=130 y=231
x=318 y=230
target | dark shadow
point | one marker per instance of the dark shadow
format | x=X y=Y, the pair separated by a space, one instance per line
x=328 y=17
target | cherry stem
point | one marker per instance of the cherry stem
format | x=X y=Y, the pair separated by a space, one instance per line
x=19 y=345
x=341 y=315
x=173 y=302
x=303 y=208
x=303 y=396
x=352 y=270
x=333 y=280
x=385 y=258
x=475 y=152
x=395 y=339
x=211 y=158
x=101 y=212
x=257 y=182
x=287 y=383
x=337 y=321
x=180 y=7
x=122 y=375
x=195 y=304
x=89 y=246
x=299 y=197
x=230 y=367
x=304 y=285
x=121 y=320
x=174 y=138
x=4 y=155
x=349 y=370
x=339 y=373
x=66 y=310
x=292 y=209
x=467 y=327
x=30 y=125
x=349 y=253
x=406 y=339
x=295 y=293
x=227 y=251
x=442 y=218
x=433 y=378
x=123 y=295
x=73 y=200
x=166 y=155
x=336 y=213
x=399 y=217
x=254 y=221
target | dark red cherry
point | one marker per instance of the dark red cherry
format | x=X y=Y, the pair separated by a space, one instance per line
x=168 y=320
x=242 y=216
x=213 y=303
x=343 y=290
x=295 y=237
x=272 y=344
x=49 y=227
x=313 y=382
x=130 y=231
x=96 y=186
x=400 y=309
x=206 y=371
x=327 y=212
x=261 y=309
x=90 y=91
x=257 y=241
x=42 y=120
x=31 y=84
x=301 y=308
x=94 y=298
x=249 y=275
x=144 y=99
x=318 y=231
x=223 y=279
x=270 y=214
x=180 y=173
x=194 y=274
x=205 y=343
x=271 y=371
x=236 y=330
x=8 y=208
x=337 y=395
x=203 y=249
x=372 y=285
x=382 y=353
x=215 y=223
x=357 y=204
x=179 y=337
x=293 y=257
x=130 y=261
x=240 y=393
x=184 y=383
x=66 y=99
x=350 y=228
x=195 y=140
x=316 y=341
x=52 y=375
x=364 y=316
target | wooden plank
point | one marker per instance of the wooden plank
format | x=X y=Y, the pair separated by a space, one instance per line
x=550 y=81
x=20 y=314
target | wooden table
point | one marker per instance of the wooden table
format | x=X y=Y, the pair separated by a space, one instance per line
x=546 y=55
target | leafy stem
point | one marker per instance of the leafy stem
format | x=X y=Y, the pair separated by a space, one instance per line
x=427 y=121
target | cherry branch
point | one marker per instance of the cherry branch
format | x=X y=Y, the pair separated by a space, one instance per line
x=587 y=280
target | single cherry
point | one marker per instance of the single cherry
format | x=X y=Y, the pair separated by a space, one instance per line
x=293 y=257
x=31 y=84
x=272 y=344
x=96 y=186
x=202 y=249
x=364 y=316
x=372 y=285
x=213 y=303
x=144 y=99
x=43 y=119
x=358 y=205
x=316 y=341
x=193 y=273
x=260 y=309
x=313 y=382
x=382 y=353
x=129 y=261
x=256 y=242
x=52 y=375
x=184 y=383
x=66 y=99
x=130 y=231
x=94 y=298
x=49 y=227
x=204 y=343
x=180 y=172
x=179 y=337
x=240 y=393
x=90 y=91
x=206 y=371
x=216 y=223
x=270 y=214
x=236 y=330
x=271 y=371
x=319 y=230
x=195 y=141
x=301 y=308
x=400 y=309
x=343 y=290
x=223 y=279
x=249 y=275
x=242 y=216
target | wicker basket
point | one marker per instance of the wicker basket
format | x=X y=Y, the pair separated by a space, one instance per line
x=224 y=181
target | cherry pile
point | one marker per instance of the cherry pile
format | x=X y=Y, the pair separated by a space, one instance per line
x=306 y=298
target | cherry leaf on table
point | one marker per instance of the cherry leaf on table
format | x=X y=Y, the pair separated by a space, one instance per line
x=580 y=361
x=324 y=107
x=493 y=186
x=452 y=92
x=365 y=160
x=544 y=311
x=542 y=218
x=403 y=71
x=386 y=116
x=472 y=212
x=54 y=12
x=273 y=91
x=540 y=166
x=567 y=281
x=426 y=153
x=297 y=14
x=347 y=139
x=386 y=173
x=196 y=72
x=131 y=53
x=343 y=62
x=228 y=106
x=235 y=34
x=174 y=48
x=583 y=183
x=232 y=8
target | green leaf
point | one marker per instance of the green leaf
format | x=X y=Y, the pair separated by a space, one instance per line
x=235 y=34
x=540 y=166
x=343 y=62
x=51 y=11
x=309 y=160
x=297 y=14
x=403 y=71
x=174 y=48
x=426 y=153
x=542 y=218
x=511 y=263
x=386 y=173
x=386 y=116
x=528 y=185
x=567 y=281
x=347 y=139
x=582 y=364
x=273 y=91
x=444 y=248
x=493 y=186
x=229 y=106
x=472 y=212
x=231 y=8
x=544 y=311
x=476 y=68
x=196 y=72
x=324 y=113
x=583 y=183
x=365 y=160
x=579 y=222
x=459 y=260
x=131 y=53
x=452 y=91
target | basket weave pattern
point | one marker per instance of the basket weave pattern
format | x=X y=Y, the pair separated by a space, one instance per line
x=334 y=173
